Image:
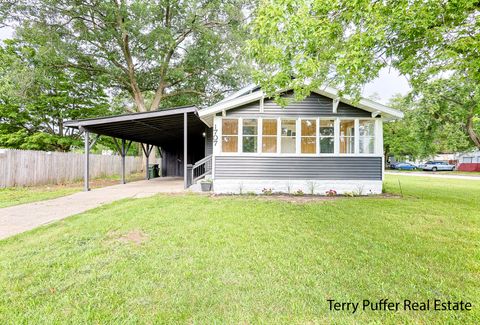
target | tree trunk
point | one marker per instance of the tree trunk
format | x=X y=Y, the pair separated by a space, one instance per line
x=471 y=132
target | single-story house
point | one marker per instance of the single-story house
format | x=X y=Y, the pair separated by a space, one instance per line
x=248 y=143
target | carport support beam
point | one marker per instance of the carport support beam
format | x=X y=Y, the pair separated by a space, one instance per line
x=124 y=153
x=86 y=168
x=185 y=143
x=147 y=150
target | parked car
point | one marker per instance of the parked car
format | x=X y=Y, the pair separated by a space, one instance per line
x=436 y=166
x=405 y=166
x=393 y=165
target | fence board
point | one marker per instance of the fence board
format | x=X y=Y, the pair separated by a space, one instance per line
x=29 y=167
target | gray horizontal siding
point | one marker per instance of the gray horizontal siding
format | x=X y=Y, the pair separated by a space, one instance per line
x=314 y=105
x=321 y=168
x=252 y=109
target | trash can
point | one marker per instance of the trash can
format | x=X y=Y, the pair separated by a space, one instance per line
x=153 y=171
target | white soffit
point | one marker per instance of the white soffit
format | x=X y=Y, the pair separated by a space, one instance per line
x=208 y=113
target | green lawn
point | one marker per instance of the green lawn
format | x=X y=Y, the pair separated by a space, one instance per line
x=196 y=259
x=19 y=195
x=443 y=172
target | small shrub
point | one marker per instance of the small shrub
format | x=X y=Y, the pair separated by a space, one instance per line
x=350 y=194
x=267 y=191
x=251 y=193
x=240 y=188
x=311 y=187
x=289 y=187
x=331 y=193
x=359 y=190
x=298 y=193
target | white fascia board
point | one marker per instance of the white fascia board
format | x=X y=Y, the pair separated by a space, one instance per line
x=330 y=92
x=365 y=104
x=223 y=106
x=238 y=93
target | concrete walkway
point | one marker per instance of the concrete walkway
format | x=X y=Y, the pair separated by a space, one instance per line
x=435 y=175
x=20 y=218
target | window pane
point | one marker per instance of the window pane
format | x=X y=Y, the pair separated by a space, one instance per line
x=229 y=127
x=326 y=145
x=288 y=145
x=309 y=145
x=249 y=144
x=289 y=128
x=347 y=145
x=347 y=128
x=367 y=144
x=230 y=143
x=269 y=127
x=326 y=128
x=309 y=128
x=269 y=144
x=366 y=128
x=249 y=127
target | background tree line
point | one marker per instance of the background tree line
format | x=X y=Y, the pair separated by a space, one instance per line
x=70 y=60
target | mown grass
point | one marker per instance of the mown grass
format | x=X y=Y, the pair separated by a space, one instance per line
x=19 y=195
x=196 y=259
x=443 y=172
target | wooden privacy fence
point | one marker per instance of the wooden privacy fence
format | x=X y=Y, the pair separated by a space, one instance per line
x=29 y=167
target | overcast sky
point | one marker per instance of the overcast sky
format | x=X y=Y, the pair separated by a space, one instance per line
x=386 y=85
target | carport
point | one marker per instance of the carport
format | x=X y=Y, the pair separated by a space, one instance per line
x=172 y=131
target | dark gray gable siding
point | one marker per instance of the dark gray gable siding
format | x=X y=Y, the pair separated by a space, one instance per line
x=313 y=105
x=308 y=168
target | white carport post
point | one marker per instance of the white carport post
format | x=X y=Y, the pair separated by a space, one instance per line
x=185 y=143
x=86 y=165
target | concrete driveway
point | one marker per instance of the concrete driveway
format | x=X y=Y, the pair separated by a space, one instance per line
x=20 y=218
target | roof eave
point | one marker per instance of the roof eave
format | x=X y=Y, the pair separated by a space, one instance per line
x=129 y=117
x=388 y=113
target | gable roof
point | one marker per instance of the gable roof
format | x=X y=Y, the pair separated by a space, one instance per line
x=253 y=93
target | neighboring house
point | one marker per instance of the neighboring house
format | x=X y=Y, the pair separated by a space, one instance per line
x=250 y=143
x=469 y=162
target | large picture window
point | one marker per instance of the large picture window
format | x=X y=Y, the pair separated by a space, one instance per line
x=249 y=133
x=269 y=135
x=303 y=136
x=309 y=136
x=288 y=136
x=327 y=136
x=366 y=130
x=230 y=135
x=347 y=136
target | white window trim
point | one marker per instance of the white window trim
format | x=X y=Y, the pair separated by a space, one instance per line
x=298 y=136
x=279 y=136
x=261 y=119
x=356 y=137
x=378 y=137
x=240 y=136
x=259 y=135
x=299 y=122
x=336 y=129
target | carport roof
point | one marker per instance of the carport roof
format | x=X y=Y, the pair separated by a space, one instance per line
x=160 y=128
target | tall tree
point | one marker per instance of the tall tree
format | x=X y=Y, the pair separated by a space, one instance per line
x=345 y=44
x=35 y=100
x=161 y=52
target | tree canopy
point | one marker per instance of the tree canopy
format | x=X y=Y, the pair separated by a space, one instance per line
x=162 y=53
x=35 y=100
x=304 y=44
x=72 y=59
